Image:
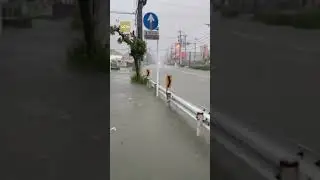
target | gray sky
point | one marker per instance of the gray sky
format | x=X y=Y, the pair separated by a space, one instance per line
x=188 y=15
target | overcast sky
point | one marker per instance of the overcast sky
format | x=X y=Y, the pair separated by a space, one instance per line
x=190 y=16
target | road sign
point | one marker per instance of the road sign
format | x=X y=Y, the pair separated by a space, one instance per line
x=125 y=26
x=150 y=21
x=151 y=35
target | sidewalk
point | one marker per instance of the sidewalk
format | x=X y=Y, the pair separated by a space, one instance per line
x=152 y=142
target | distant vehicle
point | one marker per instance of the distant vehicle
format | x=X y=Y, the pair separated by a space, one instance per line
x=114 y=65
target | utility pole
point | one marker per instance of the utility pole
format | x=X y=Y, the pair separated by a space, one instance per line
x=179 y=40
x=171 y=52
x=168 y=55
x=141 y=3
x=195 y=49
x=185 y=47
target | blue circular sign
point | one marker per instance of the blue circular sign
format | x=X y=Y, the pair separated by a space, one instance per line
x=150 y=21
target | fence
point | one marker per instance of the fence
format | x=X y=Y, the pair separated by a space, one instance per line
x=273 y=158
x=199 y=116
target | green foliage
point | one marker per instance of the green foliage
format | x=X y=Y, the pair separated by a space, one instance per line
x=80 y=60
x=137 y=46
x=306 y=19
x=201 y=67
x=138 y=79
x=228 y=12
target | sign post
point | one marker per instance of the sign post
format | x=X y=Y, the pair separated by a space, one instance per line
x=158 y=69
x=151 y=22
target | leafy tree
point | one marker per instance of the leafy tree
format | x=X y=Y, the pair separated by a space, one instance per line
x=137 y=46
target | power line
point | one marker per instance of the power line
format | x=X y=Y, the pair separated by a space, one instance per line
x=203 y=38
x=122 y=12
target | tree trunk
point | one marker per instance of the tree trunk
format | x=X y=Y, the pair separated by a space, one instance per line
x=137 y=67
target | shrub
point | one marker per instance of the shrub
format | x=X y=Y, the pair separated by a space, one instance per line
x=228 y=12
x=79 y=59
x=201 y=67
x=139 y=79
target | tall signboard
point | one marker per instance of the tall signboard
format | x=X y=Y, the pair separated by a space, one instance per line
x=125 y=27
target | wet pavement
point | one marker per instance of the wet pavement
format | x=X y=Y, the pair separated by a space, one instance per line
x=192 y=85
x=153 y=142
x=268 y=77
x=54 y=123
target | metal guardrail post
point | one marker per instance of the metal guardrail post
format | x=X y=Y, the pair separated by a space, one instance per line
x=155 y=89
x=200 y=118
x=148 y=82
x=289 y=170
x=113 y=129
x=168 y=94
x=205 y=120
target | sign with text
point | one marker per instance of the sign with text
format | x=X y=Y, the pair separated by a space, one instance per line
x=125 y=26
x=151 y=35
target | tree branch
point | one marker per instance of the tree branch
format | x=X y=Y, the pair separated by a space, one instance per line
x=124 y=37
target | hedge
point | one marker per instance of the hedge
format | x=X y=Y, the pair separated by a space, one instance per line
x=201 y=67
x=307 y=19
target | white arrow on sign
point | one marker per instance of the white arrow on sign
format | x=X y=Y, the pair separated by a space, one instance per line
x=150 y=19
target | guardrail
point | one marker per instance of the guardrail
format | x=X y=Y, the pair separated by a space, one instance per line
x=201 y=116
x=284 y=157
x=276 y=158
